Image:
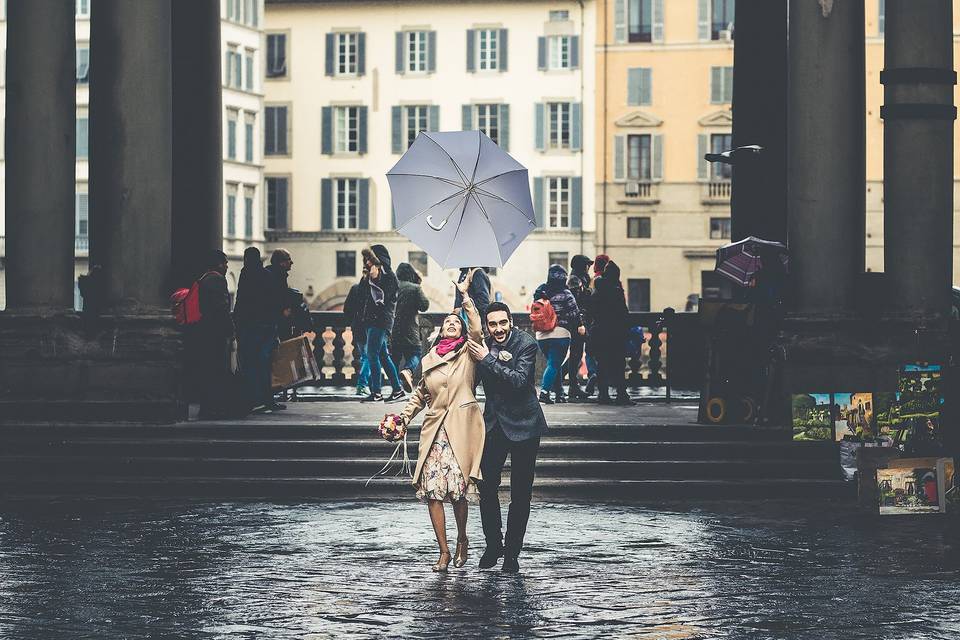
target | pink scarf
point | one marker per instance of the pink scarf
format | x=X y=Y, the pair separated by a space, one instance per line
x=446 y=345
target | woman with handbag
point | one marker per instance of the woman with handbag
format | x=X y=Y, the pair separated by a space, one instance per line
x=452 y=435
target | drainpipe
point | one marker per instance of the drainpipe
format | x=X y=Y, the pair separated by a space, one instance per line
x=582 y=127
x=606 y=45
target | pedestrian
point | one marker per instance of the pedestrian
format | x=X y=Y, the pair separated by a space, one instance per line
x=405 y=344
x=555 y=342
x=380 y=289
x=599 y=264
x=579 y=285
x=453 y=433
x=610 y=329
x=353 y=312
x=208 y=341
x=479 y=289
x=514 y=423
x=255 y=313
x=281 y=262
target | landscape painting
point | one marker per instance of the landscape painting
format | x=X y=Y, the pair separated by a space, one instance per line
x=811 y=416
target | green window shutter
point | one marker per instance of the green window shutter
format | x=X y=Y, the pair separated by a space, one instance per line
x=433 y=118
x=83 y=131
x=541 y=53
x=538 y=201
x=471 y=42
x=620 y=21
x=330 y=55
x=538 y=125
x=574 y=52
x=505 y=127
x=326 y=130
x=399 y=66
x=326 y=204
x=362 y=133
x=431 y=51
x=657 y=160
x=467 y=115
x=363 y=195
x=703 y=20
x=396 y=130
x=657 y=20
x=703 y=168
x=576 y=202
x=576 y=118
x=619 y=157
x=716 y=88
x=646 y=86
x=361 y=53
x=502 y=43
x=728 y=84
x=882 y=17
x=634 y=80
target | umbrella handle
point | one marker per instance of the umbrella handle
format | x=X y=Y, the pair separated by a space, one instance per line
x=434 y=226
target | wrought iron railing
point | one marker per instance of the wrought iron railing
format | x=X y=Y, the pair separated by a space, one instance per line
x=681 y=332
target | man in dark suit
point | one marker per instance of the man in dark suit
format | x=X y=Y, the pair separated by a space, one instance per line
x=514 y=423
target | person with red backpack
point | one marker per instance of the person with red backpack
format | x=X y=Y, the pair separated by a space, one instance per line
x=555 y=317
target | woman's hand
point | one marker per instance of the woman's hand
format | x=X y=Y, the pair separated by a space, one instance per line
x=463 y=286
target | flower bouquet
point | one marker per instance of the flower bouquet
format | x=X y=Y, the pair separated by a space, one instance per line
x=392 y=428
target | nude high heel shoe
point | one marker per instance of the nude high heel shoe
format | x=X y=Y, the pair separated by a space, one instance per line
x=460 y=557
x=442 y=563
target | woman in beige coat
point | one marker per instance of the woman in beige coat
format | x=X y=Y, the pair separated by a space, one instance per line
x=452 y=435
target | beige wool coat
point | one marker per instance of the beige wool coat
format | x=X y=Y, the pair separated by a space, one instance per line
x=450 y=381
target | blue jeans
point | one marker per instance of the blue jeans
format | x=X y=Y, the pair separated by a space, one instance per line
x=255 y=345
x=555 y=349
x=410 y=358
x=377 y=349
x=363 y=376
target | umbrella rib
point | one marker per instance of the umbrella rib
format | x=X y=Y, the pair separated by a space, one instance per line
x=499 y=175
x=477 y=163
x=490 y=222
x=422 y=175
x=466 y=200
x=452 y=161
x=484 y=192
x=450 y=197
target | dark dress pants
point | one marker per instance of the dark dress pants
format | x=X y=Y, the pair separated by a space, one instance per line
x=523 y=460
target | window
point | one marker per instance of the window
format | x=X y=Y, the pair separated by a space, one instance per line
x=276 y=55
x=418 y=260
x=640 y=21
x=720 y=142
x=638 y=158
x=417 y=120
x=416 y=48
x=234 y=10
x=638 y=227
x=488 y=46
x=253 y=12
x=347 y=129
x=488 y=120
x=346 y=264
x=347 y=53
x=346 y=204
x=558 y=52
x=231 y=210
x=278 y=190
x=83 y=64
x=83 y=133
x=719 y=228
x=561 y=258
x=638 y=294
x=558 y=203
x=250 y=69
x=721 y=20
x=234 y=67
x=82 y=218
x=83 y=8
x=882 y=17
x=232 y=116
x=721 y=85
x=248 y=194
x=559 y=15
x=558 y=125
x=248 y=125
x=275 y=143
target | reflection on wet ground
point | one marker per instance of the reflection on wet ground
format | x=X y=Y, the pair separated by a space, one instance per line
x=255 y=570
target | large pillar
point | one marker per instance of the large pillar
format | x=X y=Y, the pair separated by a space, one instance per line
x=826 y=154
x=918 y=115
x=131 y=152
x=41 y=155
x=197 y=141
x=759 y=202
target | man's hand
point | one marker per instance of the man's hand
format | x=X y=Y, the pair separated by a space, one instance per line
x=374 y=272
x=478 y=350
x=582 y=330
x=462 y=287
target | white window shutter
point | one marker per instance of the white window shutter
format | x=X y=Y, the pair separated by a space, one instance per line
x=619 y=157
x=657 y=20
x=657 y=161
x=703 y=19
x=703 y=167
x=620 y=21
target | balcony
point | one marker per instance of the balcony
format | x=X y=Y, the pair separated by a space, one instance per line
x=716 y=192
x=640 y=191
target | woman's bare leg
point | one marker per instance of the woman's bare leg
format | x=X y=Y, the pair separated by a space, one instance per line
x=438 y=519
x=460 y=513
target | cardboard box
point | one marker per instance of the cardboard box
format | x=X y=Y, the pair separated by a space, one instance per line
x=293 y=364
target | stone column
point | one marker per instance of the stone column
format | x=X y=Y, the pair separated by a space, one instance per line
x=197 y=141
x=131 y=153
x=918 y=115
x=759 y=203
x=40 y=155
x=826 y=154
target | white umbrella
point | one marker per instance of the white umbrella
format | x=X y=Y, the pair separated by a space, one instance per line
x=462 y=199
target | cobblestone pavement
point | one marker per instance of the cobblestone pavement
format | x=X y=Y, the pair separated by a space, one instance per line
x=322 y=570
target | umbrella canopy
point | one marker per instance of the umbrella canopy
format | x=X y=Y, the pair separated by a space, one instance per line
x=741 y=261
x=462 y=199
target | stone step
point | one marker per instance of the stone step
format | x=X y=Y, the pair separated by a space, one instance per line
x=634 y=491
x=39 y=467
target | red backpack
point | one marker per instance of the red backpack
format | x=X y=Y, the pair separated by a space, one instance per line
x=542 y=316
x=185 y=303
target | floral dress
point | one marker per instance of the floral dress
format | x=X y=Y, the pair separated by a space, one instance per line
x=441 y=478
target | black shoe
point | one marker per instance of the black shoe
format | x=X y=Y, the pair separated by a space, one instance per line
x=397 y=394
x=624 y=401
x=604 y=400
x=576 y=395
x=510 y=564
x=373 y=397
x=560 y=398
x=490 y=557
x=545 y=397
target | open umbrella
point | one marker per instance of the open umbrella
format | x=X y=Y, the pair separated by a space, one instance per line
x=461 y=198
x=740 y=261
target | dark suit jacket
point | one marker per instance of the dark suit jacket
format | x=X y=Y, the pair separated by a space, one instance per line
x=510 y=388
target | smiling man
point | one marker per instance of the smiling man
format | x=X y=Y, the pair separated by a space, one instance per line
x=514 y=422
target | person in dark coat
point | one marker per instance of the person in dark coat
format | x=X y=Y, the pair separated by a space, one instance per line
x=380 y=289
x=255 y=313
x=208 y=341
x=514 y=423
x=578 y=342
x=611 y=325
x=353 y=311
x=556 y=343
x=479 y=290
x=405 y=341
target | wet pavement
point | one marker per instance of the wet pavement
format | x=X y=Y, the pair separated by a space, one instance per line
x=112 y=569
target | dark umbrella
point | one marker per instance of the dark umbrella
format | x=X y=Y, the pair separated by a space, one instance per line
x=741 y=261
